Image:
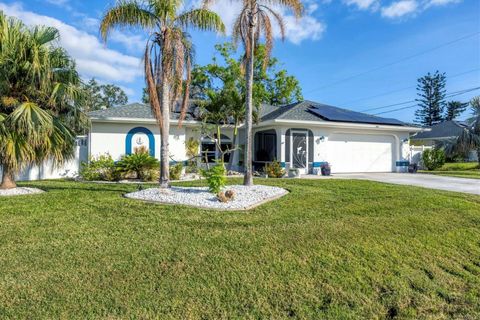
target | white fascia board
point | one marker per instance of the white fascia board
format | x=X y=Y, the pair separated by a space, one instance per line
x=142 y=120
x=343 y=125
x=188 y=123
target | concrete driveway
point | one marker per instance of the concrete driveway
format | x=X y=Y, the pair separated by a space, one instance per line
x=420 y=180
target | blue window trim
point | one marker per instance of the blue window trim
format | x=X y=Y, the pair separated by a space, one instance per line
x=131 y=133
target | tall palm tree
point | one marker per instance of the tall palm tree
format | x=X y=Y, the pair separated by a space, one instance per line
x=469 y=139
x=252 y=23
x=168 y=55
x=38 y=87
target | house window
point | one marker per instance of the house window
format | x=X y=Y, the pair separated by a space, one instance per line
x=209 y=151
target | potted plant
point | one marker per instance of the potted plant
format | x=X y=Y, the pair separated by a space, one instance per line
x=325 y=169
x=293 y=173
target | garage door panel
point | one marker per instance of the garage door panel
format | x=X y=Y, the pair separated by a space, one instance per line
x=360 y=153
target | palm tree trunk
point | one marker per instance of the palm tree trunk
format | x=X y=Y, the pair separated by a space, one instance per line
x=164 y=134
x=8 y=179
x=248 y=177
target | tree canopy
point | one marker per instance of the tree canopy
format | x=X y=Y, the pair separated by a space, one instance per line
x=100 y=96
x=272 y=85
x=454 y=109
x=431 y=101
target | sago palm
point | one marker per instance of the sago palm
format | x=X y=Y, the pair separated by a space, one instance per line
x=168 y=55
x=253 y=22
x=38 y=84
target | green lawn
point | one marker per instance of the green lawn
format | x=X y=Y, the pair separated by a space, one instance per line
x=458 y=169
x=329 y=249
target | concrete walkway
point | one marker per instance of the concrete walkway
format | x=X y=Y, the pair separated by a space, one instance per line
x=419 y=180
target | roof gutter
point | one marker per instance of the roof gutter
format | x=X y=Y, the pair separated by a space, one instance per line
x=346 y=125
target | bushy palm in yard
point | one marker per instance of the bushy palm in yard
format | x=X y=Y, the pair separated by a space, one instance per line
x=168 y=55
x=252 y=23
x=39 y=88
x=469 y=139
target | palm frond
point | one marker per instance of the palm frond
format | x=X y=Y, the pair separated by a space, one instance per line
x=202 y=19
x=295 y=6
x=152 y=88
x=128 y=13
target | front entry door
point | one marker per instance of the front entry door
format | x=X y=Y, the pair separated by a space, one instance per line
x=299 y=151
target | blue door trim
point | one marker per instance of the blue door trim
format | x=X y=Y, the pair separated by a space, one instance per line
x=131 y=133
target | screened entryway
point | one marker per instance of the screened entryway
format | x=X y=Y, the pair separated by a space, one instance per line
x=299 y=149
x=265 y=148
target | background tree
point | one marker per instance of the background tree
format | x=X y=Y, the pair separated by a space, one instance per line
x=168 y=55
x=101 y=96
x=253 y=22
x=470 y=138
x=39 y=91
x=454 y=109
x=431 y=101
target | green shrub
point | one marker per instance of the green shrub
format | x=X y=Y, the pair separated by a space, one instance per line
x=216 y=178
x=176 y=171
x=101 y=168
x=140 y=164
x=151 y=175
x=274 y=169
x=433 y=158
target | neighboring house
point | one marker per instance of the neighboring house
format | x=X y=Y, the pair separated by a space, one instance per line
x=440 y=133
x=301 y=135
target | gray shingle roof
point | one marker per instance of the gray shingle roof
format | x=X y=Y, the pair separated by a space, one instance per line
x=443 y=130
x=298 y=111
x=301 y=111
x=134 y=111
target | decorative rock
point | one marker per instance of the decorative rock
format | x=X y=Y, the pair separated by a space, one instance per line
x=20 y=191
x=230 y=194
x=244 y=197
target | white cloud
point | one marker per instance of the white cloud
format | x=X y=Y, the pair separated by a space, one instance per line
x=92 y=57
x=363 y=4
x=296 y=30
x=431 y=3
x=399 y=9
x=133 y=42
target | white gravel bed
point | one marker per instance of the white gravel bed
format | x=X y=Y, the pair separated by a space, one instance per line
x=245 y=197
x=20 y=191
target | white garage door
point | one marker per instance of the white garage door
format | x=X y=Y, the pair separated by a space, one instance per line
x=360 y=153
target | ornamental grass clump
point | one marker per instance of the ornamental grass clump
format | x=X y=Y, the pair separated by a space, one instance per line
x=274 y=169
x=176 y=171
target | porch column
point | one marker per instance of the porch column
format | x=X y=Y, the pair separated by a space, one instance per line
x=281 y=145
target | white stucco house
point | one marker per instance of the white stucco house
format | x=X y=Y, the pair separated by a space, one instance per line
x=301 y=135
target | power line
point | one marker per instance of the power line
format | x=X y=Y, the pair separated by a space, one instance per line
x=416 y=105
x=447 y=95
x=395 y=62
x=405 y=88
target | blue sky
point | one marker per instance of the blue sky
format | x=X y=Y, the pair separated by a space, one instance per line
x=357 y=54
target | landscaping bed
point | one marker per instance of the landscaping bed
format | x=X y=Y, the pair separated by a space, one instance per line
x=19 y=191
x=245 y=197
